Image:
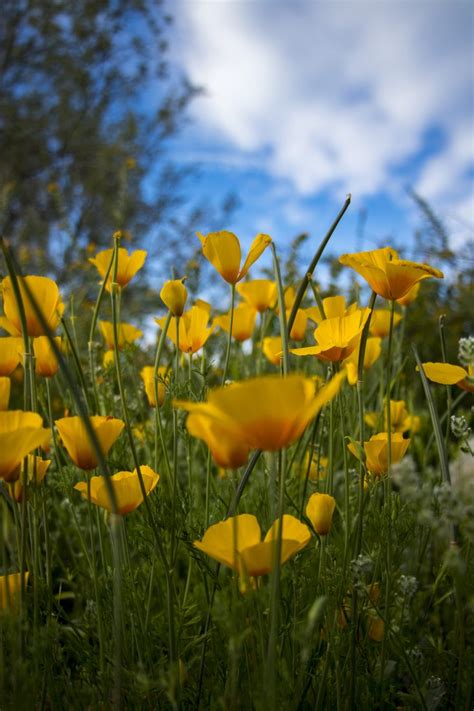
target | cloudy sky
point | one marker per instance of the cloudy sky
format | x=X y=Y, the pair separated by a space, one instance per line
x=306 y=101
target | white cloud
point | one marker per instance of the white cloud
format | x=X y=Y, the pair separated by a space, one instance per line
x=335 y=95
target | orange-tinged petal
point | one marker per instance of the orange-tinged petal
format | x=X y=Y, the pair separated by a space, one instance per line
x=11 y=350
x=444 y=373
x=45 y=293
x=320 y=509
x=257 y=247
x=261 y=294
x=147 y=374
x=298 y=330
x=126 y=486
x=388 y=275
x=222 y=249
x=222 y=438
x=74 y=436
x=20 y=433
x=128 y=265
x=174 y=295
x=224 y=541
x=127 y=334
x=46 y=363
x=410 y=295
x=9 y=327
x=243 y=322
x=272 y=349
x=295 y=535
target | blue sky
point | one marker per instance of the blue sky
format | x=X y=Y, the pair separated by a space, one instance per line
x=306 y=101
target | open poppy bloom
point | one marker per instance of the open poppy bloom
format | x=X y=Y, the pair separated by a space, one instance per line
x=174 y=296
x=400 y=418
x=20 y=433
x=320 y=509
x=386 y=274
x=147 y=374
x=336 y=337
x=380 y=322
x=10 y=587
x=5 y=387
x=376 y=451
x=46 y=363
x=46 y=295
x=447 y=374
x=333 y=306
x=261 y=294
x=126 y=486
x=272 y=349
x=237 y=543
x=222 y=249
x=243 y=322
x=193 y=328
x=373 y=349
x=74 y=437
x=37 y=469
x=266 y=413
x=127 y=334
x=128 y=265
x=11 y=349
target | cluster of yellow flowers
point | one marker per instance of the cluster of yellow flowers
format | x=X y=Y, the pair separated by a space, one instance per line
x=267 y=413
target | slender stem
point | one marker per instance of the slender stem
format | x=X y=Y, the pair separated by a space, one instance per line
x=229 y=335
x=158 y=423
x=284 y=327
x=309 y=272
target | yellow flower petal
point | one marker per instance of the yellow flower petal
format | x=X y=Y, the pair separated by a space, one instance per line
x=74 y=436
x=320 y=509
x=444 y=373
x=20 y=433
x=46 y=295
x=222 y=249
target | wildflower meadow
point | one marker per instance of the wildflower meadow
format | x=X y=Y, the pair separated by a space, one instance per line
x=266 y=501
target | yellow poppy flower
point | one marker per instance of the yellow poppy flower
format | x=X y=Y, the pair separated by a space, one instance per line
x=11 y=350
x=320 y=510
x=410 y=295
x=386 y=274
x=45 y=293
x=46 y=363
x=266 y=413
x=10 y=587
x=222 y=436
x=375 y=628
x=272 y=349
x=74 y=437
x=37 y=469
x=128 y=265
x=380 y=322
x=298 y=330
x=400 y=418
x=261 y=294
x=147 y=374
x=447 y=374
x=222 y=249
x=174 y=296
x=20 y=433
x=373 y=349
x=193 y=328
x=5 y=387
x=317 y=466
x=243 y=323
x=333 y=306
x=236 y=543
x=7 y=326
x=127 y=334
x=337 y=337
x=126 y=486
x=376 y=451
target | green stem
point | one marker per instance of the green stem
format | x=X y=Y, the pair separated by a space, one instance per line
x=284 y=327
x=229 y=335
x=309 y=272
